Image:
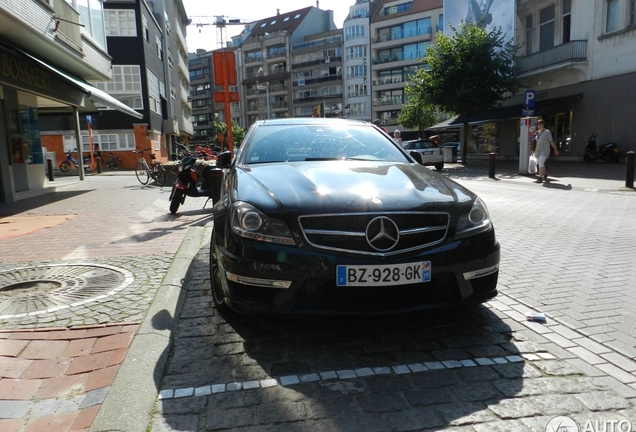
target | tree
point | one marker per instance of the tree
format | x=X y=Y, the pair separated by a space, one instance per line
x=468 y=73
x=417 y=113
x=238 y=134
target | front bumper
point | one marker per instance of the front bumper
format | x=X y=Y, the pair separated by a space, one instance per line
x=266 y=278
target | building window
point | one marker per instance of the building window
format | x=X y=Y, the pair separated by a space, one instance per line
x=92 y=17
x=358 y=51
x=355 y=32
x=611 y=19
x=158 y=47
x=567 y=21
x=546 y=28
x=104 y=142
x=154 y=95
x=120 y=22
x=632 y=12
x=391 y=10
x=529 y=34
x=125 y=86
x=144 y=24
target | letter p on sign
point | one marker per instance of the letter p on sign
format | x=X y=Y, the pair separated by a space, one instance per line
x=528 y=98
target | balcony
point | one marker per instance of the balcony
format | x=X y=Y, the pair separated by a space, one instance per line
x=185 y=94
x=574 y=51
x=392 y=100
x=320 y=80
x=388 y=80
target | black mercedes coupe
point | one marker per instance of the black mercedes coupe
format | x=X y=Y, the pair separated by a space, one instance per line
x=331 y=216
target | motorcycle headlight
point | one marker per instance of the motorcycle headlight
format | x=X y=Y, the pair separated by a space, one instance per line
x=477 y=220
x=249 y=222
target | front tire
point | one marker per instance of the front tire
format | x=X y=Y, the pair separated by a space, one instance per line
x=142 y=174
x=588 y=158
x=215 y=282
x=177 y=199
x=65 y=166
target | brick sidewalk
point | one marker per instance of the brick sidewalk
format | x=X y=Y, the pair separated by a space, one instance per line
x=55 y=380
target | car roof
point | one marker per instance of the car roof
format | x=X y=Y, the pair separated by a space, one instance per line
x=311 y=121
x=419 y=140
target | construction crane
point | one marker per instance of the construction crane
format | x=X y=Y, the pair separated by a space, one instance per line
x=221 y=22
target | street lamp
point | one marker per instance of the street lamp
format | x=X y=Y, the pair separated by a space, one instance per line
x=266 y=88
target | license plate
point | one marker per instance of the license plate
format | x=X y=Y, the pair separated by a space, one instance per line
x=381 y=275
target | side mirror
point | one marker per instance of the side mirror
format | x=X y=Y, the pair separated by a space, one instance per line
x=224 y=160
x=416 y=155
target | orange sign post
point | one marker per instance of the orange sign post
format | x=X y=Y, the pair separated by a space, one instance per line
x=225 y=76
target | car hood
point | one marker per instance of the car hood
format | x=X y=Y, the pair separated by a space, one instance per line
x=351 y=186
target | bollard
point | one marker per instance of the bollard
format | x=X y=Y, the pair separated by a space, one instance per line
x=49 y=167
x=629 y=172
x=491 y=170
x=98 y=162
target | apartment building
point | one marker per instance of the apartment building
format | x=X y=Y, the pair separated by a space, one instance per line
x=316 y=66
x=202 y=97
x=49 y=49
x=401 y=32
x=177 y=122
x=146 y=77
x=267 y=81
x=357 y=60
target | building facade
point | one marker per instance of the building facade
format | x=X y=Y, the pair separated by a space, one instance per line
x=178 y=123
x=316 y=66
x=267 y=86
x=48 y=49
x=146 y=77
x=202 y=97
x=401 y=32
x=357 y=60
x=579 y=60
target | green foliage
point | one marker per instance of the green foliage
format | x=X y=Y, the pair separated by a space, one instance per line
x=417 y=113
x=238 y=133
x=468 y=73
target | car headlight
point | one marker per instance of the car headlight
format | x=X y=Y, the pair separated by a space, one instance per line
x=477 y=220
x=251 y=223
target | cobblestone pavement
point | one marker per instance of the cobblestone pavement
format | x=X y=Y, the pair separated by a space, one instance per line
x=567 y=250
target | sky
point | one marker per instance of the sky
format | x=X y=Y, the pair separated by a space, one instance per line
x=204 y=11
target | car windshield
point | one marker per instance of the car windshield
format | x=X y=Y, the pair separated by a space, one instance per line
x=291 y=143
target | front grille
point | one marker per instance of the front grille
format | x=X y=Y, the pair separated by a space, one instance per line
x=317 y=294
x=348 y=232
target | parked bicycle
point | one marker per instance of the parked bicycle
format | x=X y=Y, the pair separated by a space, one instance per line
x=114 y=162
x=65 y=165
x=145 y=172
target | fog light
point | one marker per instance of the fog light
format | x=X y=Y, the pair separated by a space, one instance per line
x=265 y=283
x=481 y=273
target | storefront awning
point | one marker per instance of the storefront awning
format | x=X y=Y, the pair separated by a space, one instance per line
x=92 y=92
x=503 y=113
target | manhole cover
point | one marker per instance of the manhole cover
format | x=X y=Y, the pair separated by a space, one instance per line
x=48 y=288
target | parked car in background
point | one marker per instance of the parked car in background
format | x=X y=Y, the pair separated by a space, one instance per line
x=322 y=215
x=431 y=153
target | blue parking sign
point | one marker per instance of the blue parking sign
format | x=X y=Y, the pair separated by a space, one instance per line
x=528 y=98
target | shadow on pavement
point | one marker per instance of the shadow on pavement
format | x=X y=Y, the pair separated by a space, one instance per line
x=38 y=201
x=322 y=352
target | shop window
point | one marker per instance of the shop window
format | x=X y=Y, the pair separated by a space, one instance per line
x=483 y=139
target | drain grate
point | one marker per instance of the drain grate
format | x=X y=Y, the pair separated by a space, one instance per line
x=49 y=288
